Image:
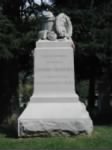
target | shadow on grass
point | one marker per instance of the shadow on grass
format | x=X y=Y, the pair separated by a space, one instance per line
x=8 y=131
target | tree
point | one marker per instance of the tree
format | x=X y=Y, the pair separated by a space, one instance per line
x=17 y=41
x=17 y=38
x=91 y=23
x=92 y=32
x=8 y=65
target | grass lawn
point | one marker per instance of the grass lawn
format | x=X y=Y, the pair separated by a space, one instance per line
x=101 y=138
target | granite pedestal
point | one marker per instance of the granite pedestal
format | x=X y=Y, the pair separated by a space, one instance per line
x=54 y=108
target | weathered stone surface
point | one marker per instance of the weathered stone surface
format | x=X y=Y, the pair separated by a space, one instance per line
x=55 y=28
x=55 y=119
x=52 y=36
x=63 y=26
x=54 y=108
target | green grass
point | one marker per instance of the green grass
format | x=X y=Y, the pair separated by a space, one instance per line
x=100 y=138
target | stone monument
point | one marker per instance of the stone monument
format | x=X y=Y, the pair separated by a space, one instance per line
x=54 y=108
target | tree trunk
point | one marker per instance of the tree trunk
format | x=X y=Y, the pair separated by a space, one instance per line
x=92 y=80
x=105 y=88
x=8 y=87
x=91 y=96
x=92 y=4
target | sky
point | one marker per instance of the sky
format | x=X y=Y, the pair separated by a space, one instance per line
x=39 y=2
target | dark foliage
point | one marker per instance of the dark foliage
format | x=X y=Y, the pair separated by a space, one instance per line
x=92 y=22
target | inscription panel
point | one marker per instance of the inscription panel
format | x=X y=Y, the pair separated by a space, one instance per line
x=54 y=70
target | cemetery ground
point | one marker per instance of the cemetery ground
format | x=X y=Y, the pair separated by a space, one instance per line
x=100 y=138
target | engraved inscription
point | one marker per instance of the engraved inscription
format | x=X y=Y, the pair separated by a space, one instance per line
x=54 y=56
x=54 y=82
x=54 y=70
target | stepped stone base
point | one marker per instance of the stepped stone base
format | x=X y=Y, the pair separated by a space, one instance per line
x=50 y=119
x=54 y=108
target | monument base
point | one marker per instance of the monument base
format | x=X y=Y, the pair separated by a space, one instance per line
x=52 y=118
x=54 y=108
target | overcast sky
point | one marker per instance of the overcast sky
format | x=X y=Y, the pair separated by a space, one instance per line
x=39 y=1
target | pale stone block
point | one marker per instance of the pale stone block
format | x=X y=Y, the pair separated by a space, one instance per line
x=61 y=118
x=54 y=107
